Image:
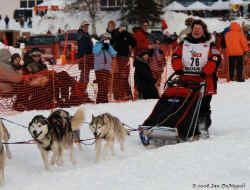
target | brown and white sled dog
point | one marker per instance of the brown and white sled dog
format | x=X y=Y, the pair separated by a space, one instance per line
x=4 y=137
x=55 y=134
x=107 y=127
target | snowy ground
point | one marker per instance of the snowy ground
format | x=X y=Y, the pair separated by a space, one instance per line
x=221 y=160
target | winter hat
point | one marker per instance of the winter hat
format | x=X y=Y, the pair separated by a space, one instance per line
x=164 y=25
x=84 y=23
x=35 y=51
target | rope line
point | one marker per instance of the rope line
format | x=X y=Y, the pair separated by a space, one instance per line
x=13 y=122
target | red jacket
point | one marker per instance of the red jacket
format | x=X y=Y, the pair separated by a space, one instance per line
x=236 y=42
x=209 y=69
x=142 y=41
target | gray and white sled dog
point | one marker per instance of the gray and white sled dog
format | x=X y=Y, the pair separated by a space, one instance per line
x=4 y=137
x=56 y=133
x=107 y=127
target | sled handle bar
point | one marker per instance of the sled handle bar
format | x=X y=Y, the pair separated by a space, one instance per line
x=171 y=81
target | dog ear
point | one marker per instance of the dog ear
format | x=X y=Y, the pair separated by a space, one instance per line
x=93 y=117
x=105 y=118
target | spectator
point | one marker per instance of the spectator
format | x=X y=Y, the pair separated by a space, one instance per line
x=21 y=22
x=187 y=30
x=39 y=80
x=21 y=101
x=196 y=54
x=85 y=47
x=157 y=63
x=103 y=53
x=236 y=47
x=123 y=42
x=30 y=22
x=15 y=62
x=142 y=38
x=110 y=29
x=9 y=76
x=241 y=11
x=59 y=31
x=6 y=20
x=36 y=64
x=144 y=80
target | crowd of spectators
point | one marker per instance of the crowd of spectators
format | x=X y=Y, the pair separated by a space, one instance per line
x=109 y=57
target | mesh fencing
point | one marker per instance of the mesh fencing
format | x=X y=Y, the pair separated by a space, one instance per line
x=75 y=84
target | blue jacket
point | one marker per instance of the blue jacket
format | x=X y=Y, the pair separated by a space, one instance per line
x=99 y=59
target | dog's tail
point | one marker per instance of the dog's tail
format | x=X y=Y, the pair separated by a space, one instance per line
x=77 y=119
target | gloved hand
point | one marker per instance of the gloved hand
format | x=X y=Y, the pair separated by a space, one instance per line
x=203 y=75
x=179 y=72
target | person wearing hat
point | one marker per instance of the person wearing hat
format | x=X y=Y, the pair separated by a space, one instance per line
x=200 y=58
x=110 y=29
x=9 y=76
x=123 y=42
x=142 y=38
x=36 y=64
x=144 y=80
x=103 y=55
x=85 y=48
x=187 y=30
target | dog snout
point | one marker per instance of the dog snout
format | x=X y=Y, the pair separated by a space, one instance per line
x=35 y=133
x=95 y=134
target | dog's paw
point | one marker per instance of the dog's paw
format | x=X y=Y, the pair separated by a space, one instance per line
x=52 y=162
x=59 y=162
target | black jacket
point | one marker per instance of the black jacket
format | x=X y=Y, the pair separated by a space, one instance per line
x=121 y=42
x=144 y=80
x=85 y=45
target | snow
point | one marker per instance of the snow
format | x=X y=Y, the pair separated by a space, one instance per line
x=71 y=20
x=222 y=159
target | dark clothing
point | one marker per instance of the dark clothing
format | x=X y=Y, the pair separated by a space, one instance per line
x=122 y=41
x=85 y=45
x=6 y=20
x=34 y=67
x=238 y=61
x=112 y=36
x=144 y=80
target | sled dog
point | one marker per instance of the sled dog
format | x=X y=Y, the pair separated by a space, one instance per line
x=55 y=134
x=4 y=137
x=107 y=127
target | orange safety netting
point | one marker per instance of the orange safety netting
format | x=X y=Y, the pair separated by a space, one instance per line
x=75 y=84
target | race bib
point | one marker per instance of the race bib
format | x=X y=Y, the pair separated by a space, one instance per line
x=194 y=56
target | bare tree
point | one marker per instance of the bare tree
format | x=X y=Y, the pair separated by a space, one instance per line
x=92 y=6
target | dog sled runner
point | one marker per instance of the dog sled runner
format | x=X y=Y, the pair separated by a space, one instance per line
x=175 y=116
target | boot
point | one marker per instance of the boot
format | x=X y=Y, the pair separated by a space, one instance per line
x=204 y=124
